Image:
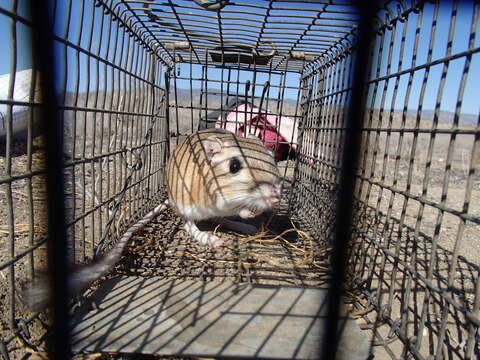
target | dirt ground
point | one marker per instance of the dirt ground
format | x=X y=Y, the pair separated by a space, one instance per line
x=293 y=258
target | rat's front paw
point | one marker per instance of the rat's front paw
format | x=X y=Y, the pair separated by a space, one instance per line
x=248 y=213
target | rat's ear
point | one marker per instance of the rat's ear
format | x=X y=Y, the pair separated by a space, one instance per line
x=212 y=145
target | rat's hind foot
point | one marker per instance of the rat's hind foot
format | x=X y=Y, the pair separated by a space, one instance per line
x=202 y=237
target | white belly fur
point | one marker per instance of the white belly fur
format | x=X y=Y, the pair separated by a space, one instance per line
x=198 y=212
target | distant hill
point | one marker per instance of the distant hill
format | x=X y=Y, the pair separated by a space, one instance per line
x=183 y=97
x=447 y=116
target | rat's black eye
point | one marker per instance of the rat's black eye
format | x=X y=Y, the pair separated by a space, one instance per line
x=235 y=165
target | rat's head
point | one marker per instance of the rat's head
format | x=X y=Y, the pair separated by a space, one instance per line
x=243 y=176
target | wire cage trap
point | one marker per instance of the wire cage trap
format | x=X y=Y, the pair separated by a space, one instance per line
x=371 y=114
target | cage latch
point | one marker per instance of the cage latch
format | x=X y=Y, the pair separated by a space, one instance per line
x=242 y=54
x=178 y=45
x=138 y=158
x=210 y=5
x=300 y=55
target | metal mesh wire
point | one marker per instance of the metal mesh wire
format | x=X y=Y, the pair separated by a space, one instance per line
x=417 y=189
x=135 y=77
x=183 y=29
x=113 y=105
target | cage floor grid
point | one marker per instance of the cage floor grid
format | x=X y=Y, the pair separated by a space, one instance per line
x=211 y=319
x=164 y=249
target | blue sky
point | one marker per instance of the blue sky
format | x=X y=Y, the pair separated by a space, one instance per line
x=455 y=68
x=462 y=29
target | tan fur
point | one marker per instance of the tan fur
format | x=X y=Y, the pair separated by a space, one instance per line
x=192 y=180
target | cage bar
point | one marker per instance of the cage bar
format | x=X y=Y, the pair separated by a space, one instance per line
x=134 y=78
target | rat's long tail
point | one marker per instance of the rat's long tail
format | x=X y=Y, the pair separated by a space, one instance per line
x=38 y=296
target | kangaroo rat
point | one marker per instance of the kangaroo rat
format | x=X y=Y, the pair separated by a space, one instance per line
x=213 y=174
